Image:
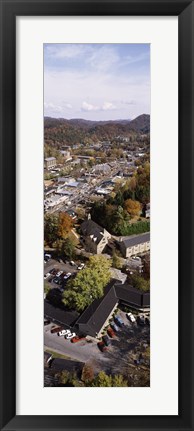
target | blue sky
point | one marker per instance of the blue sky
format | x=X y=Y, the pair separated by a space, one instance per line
x=96 y=81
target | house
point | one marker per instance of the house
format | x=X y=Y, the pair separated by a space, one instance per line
x=50 y=162
x=95 y=237
x=97 y=315
x=134 y=244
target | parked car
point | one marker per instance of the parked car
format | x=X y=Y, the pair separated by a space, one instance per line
x=131 y=317
x=80 y=266
x=56 y=329
x=119 y=321
x=110 y=332
x=54 y=271
x=56 y=280
x=114 y=327
x=72 y=263
x=76 y=339
x=141 y=320
x=102 y=346
x=47 y=257
x=46 y=322
x=66 y=276
x=71 y=335
x=64 y=332
x=47 y=275
x=59 y=273
x=106 y=340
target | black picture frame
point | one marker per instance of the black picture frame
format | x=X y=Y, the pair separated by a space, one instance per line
x=9 y=10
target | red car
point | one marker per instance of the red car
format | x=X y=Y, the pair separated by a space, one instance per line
x=56 y=329
x=110 y=332
x=102 y=346
x=76 y=339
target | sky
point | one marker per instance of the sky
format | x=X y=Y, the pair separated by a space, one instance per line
x=96 y=81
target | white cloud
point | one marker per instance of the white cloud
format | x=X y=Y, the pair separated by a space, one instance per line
x=94 y=93
x=108 y=106
x=65 y=51
x=89 y=107
x=103 y=58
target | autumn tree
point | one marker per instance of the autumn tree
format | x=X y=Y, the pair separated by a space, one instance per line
x=65 y=224
x=132 y=207
x=88 y=284
x=87 y=374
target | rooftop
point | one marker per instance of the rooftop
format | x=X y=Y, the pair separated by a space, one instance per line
x=92 y=229
x=96 y=314
x=135 y=239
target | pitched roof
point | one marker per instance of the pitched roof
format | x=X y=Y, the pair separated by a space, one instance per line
x=136 y=239
x=92 y=229
x=50 y=158
x=94 y=317
x=96 y=313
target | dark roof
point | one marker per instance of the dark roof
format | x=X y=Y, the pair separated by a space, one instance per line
x=62 y=316
x=136 y=239
x=89 y=227
x=93 y=318
x=95 y=315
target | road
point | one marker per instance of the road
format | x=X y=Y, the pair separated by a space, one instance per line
x=82 y=351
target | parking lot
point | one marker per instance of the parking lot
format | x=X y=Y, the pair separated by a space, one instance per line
x=131 y=341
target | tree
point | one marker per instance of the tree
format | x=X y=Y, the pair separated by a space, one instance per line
x=65 y=224
x=132 y=207
x=139 y=282
x=104 y=380
x=116 y=261
x=88 y=284
x=87 y=374
x=119 y=381
x=50 y=228
x=65 y=248
x=46 y=287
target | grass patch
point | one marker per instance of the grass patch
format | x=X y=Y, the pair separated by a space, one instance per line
x=56 y=354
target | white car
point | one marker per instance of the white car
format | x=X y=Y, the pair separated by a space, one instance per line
x=59 y=273
x=81 y=266
x=64 y=332
x=71 y=335
x=66 y=276
x=47 y=275
x=131 y=317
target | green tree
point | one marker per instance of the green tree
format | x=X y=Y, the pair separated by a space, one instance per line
x=104 y=380
x=88 y=284
x=65 y=248
x=116 y=261
x=50 y=228
x=46 y=287
x=139 y=282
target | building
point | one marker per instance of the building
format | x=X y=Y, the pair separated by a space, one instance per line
x=97 y=315
x=50 y=162
x=135 y=244
x=66 y=154
x=95 y=237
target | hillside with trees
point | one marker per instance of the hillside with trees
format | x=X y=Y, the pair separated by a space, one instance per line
x=68 y=132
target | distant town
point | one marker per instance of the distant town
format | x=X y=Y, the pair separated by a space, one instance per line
x=97 y=252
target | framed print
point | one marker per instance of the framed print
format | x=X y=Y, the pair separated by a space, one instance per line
x=96 y=215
